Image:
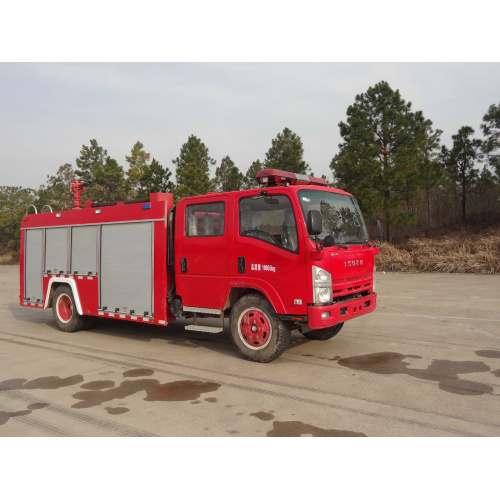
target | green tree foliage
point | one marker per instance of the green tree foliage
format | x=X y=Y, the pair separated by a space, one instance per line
x=13 y=204
x=227 y=176
x=138 y=162
x=91 y=157
x=192 y=169
x=155 y=179
x=106 y=177
x=250 y=181
x=386 y=155
x=491 y=131
x=57 y=190
x=286 y=153
x=485 y=197
x=109 y=182
x=459 y=163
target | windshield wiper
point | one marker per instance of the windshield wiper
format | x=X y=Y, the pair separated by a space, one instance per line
x=358 y=242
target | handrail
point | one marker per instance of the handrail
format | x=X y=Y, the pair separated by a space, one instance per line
x=31 y=205
x=46 y=206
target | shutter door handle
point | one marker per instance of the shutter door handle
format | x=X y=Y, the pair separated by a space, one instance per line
x=184 y=265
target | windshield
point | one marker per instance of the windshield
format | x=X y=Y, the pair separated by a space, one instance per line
x=340 y=213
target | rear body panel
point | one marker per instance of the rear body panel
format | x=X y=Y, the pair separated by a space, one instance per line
x=113 y=257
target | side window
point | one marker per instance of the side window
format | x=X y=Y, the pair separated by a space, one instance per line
x=270 y=219
x=205 y=219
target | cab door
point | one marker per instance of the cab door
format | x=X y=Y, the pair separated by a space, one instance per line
x=269 y=249
x=201 y=253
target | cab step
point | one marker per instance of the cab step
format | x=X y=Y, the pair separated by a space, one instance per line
x=207 y=329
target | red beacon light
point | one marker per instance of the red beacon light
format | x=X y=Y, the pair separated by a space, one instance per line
x=273 y=177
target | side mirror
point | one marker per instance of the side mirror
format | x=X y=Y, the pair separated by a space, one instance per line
x=380 y=232
x=314 y=222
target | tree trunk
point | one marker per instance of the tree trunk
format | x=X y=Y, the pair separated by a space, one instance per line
x=428 y=207
x=464 y=199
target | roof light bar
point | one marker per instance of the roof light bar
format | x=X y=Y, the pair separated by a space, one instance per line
x=274 y=177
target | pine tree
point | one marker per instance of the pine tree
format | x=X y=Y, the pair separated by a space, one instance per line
x=57 y=190
x=13 y=204
x=110 y=183
x=138 y=162
x=459 y=163
x=227 y=176
x=286 y=153
x=155 y=179
x=383 y=154
x=91 y=157
x=250 y=180
x=491 y=131
x=192 y=169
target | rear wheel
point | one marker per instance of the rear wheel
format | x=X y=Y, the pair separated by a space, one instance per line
x=323 y=333
x=256 y=331
x=64 y=309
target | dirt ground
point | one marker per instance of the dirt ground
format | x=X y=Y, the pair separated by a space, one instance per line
x=426 y=363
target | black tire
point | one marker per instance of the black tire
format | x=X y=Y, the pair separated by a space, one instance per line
x=323 y=333
x=271 y=337
x=64 y=310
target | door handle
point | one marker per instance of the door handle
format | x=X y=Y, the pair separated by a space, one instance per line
x=184 y=265
x=241 y=265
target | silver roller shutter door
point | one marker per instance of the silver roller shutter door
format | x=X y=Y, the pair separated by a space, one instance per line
x=33 y=264
x=84 y=249
x=56 y=250
x=126 y=267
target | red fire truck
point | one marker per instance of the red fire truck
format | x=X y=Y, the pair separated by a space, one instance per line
x=290 y=254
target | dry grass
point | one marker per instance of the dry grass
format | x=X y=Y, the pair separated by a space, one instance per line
x=458 y=252
x=6 y=258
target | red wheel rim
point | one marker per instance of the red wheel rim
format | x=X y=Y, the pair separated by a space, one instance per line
x=64 y=308
x=254 y=328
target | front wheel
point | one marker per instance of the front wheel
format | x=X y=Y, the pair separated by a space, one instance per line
x=323 y=333
x=64 y=309
x=256 y=331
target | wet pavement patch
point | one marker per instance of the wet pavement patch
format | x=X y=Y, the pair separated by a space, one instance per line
x=40 y=383
x=180 y=390
x=488 y=354
x=37 y=406
x=211 y=400
x=442 y=371
x=262 y=415
x=496 y=373
x=98 y=385
x=116 y=410
x=5 y=416
x=139 y=372
x=297 y=429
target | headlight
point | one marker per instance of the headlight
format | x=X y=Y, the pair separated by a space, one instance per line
x=322 y=285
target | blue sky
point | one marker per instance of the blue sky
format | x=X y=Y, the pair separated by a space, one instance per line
x=49 y=110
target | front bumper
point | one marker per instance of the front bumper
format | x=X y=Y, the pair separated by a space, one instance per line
x=340 y=312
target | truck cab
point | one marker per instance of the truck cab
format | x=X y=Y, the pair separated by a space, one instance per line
x=290 y=254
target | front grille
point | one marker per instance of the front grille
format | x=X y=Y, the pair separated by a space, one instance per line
x=344 y=298
x=344 y=289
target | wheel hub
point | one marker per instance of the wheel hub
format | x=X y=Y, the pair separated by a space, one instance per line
x=255 y=329
x=64 y=308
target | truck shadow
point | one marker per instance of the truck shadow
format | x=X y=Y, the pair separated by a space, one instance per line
x=173 y=333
